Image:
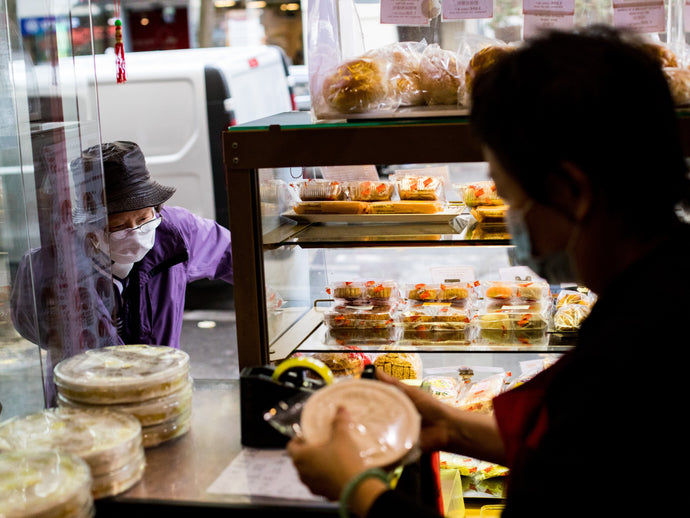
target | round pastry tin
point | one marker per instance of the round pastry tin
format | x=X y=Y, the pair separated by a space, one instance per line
x=386 y=422
x=44 y=484
x=163 y=432
x=122 y=374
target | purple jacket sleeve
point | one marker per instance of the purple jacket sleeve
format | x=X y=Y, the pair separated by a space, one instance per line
x=210 y=254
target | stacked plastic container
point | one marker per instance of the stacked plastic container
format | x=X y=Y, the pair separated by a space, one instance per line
x=109 y=442
x=437 y=313
x=514 y=312
x=151 y=383
x=363 y=312
x=46 y=484
x=488 y=209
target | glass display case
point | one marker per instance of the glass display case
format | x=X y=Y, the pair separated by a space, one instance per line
x=287 y=264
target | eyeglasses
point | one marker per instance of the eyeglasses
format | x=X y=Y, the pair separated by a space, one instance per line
x=145 y=228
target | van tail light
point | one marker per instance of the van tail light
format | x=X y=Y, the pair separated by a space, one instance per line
x=293 y=101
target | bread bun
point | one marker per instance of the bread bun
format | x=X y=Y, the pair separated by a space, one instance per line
x=482 y=61
x=441 y=76
x=357 y=85
x=404 y=59
x=661 y=53
x=678 y=80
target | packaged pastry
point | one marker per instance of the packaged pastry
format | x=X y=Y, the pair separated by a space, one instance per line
x=489 y=231
x=482 y=61
x=678 y=80
x=173 y=428
x=400 y=365
x=44 y=484
x=405 y=207
x=512 y=328
x=381 y=292
x=349 y=362
x=362 y=293
x=570 y=317
x=386 y=422
x=331 y=207
x=122 y=374
x=404 y=59
x=481 y=193
x=498 y=290
x=346 y=290
x=414 y=187
x=443 y=388
x=357 y=85
x=441 y=76
x=321 y=190
x=489 y=213
x=148 y=412
x=516 y=296
x=423 y=292
x=367 y=190
x=479 y=397
x=106 y=440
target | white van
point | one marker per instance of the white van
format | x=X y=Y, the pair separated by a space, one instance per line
x=175 y=105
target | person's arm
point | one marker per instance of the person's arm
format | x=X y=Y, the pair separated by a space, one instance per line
x=210 y=252
x=453 y=430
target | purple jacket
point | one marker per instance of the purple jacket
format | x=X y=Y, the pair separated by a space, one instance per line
x=187 y=248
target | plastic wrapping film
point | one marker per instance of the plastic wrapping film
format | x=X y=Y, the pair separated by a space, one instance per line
x=105 y=439
x=173 y=428
x=44 y=484
x=148 y=412
x=385 y=423
x=122 y=374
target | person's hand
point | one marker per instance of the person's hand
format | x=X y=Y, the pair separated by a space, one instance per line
x=327 y=468
x=436 y=425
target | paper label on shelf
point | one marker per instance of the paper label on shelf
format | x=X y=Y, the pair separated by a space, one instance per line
x=548 y=6
x=640 y=16
x=266 y=473
x=467 y=9
x=349 y=173
x=403 y=12
x=462 y=274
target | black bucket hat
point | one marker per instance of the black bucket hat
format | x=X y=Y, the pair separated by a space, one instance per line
x=128 y=184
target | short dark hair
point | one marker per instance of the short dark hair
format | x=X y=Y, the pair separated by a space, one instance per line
x=591 y=97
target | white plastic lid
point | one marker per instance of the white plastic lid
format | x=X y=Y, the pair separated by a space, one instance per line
x=386 y=422
x=122 y=373
x=44 y=483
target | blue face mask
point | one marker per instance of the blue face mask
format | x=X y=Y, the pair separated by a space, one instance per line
x=555 y=267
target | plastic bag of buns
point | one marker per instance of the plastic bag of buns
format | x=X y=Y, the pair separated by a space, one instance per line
x=404 y=59
x=442 y=76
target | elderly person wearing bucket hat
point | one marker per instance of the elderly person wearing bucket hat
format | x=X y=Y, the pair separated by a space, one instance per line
x=154 y=252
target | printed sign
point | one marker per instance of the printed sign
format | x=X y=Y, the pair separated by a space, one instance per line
x=467 y=9
x=404 y=12
x=640 y=16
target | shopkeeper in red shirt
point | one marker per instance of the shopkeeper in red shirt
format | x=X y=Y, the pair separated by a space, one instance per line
x=581 y=137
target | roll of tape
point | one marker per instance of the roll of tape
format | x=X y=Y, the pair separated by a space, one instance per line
x=312 y=364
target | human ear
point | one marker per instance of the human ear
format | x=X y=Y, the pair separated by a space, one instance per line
x=572 y=190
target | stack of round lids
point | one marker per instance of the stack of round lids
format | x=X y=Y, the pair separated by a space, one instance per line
x=108 y=441
x=45 y=484
x=149 y=382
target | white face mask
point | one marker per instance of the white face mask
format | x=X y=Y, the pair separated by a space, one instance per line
x=130 y=245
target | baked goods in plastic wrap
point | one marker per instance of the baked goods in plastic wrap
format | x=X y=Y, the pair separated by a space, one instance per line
x=482 y=61
x=457 y=294
x=122 y=374
x=416 y=187
x=368 y=190
x=109 y=442
x=435 y=322
x=489 y=213
x=173 y=428
x=406 y=207
x=363 y=293
x=357 y=85
x=441 y=76
x=481 y=193
x=572 y=308
x=400 y=365
x=331 y=207
x=44 y=484
x=320 y=190
x=512 y=328
x=386 y=423
x=479 y=397
x=349 y=362
x=404 y=75
x=443 y=388
x=516 y=297
x=678 y=80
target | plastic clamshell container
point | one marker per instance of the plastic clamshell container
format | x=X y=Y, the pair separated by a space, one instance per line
x=171 y=429
x=481 y=193
x=452 y=293
x=44 y=484
x=320 y=190
x=368 y=190
x=106 y=440
x=150 y=411
x=416 y=187
x=119 y=480
x=387 y=423
x=122 y=374
x=512 y=328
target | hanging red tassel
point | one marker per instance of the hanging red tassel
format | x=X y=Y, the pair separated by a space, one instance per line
x=119 y=53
